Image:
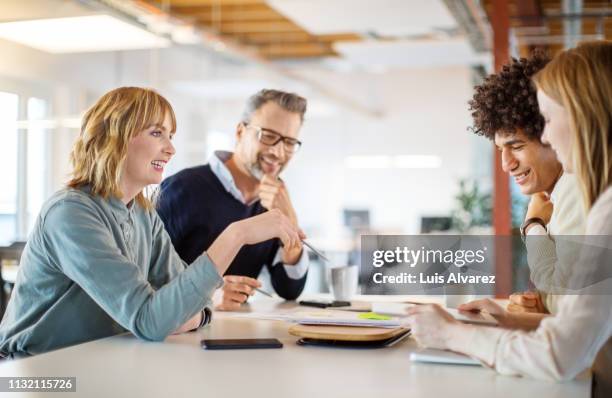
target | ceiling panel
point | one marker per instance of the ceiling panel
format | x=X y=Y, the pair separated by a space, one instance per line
x=412 y=53
x=332 y=16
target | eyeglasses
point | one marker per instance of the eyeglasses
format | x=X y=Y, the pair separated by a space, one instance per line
x=271 y=138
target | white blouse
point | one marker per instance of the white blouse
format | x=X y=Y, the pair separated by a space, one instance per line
x=564 y=345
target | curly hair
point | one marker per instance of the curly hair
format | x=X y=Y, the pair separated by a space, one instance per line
x=507 y=101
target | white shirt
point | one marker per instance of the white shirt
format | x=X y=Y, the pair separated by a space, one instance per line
x=220 y=170
x=568 y=218
x=565 y=344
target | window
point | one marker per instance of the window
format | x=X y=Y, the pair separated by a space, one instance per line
x=24 y=171
x=37 y=160
x=9 y=112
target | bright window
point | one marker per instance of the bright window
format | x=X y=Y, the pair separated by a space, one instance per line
x=37 y=160
x=24 y=166
x=9 y=112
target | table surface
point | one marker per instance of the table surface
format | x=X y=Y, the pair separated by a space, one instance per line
x=125 y=366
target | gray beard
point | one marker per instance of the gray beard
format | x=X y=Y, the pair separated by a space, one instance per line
x=256 y=171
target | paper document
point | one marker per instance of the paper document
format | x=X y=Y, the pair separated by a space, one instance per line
x=345 y=318
x=325 y=317
x=399 y=309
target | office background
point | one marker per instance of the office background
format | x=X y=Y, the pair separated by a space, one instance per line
x=386 y=132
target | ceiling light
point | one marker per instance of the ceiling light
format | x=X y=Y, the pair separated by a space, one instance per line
x=399 y=162
x=80 y=34
x=186 y=35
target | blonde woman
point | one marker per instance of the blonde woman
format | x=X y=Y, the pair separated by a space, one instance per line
x=98 y=261
x=575 y=98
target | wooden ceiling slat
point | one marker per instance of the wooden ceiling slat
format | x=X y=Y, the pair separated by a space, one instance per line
x=195 y=3
x=551 y=8
x=222 y=8
x=239 y=16
x=259 y=38
x=530 y=11
x=253 y=23
x=298 y=51
x=246 y=27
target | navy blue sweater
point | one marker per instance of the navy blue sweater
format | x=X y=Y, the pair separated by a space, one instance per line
x=196 y=208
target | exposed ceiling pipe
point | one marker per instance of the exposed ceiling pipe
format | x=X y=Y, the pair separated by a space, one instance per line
x=471 y=18
x=572 y=27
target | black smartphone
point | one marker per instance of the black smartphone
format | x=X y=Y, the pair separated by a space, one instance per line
x=239 y=344
x=324 y=304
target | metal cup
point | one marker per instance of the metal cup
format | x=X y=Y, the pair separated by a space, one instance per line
x=344 y=282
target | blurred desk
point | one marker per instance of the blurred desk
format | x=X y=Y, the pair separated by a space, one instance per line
x=9 y=258
x=124 y=366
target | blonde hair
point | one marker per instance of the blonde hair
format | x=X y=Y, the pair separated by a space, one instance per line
x=99 y=153
x=580 y=80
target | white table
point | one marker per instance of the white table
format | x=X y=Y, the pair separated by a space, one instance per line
x=123 y=366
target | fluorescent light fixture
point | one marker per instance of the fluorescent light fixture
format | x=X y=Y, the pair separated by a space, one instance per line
x=80 y=34
x=399 y=162
x=186 y=35
x=417 y=162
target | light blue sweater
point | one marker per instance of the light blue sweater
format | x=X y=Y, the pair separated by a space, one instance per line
x=95 y=267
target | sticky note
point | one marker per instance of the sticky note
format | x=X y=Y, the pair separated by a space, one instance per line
x=374 y=316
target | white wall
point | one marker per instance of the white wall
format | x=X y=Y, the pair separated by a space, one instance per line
x=424 y=112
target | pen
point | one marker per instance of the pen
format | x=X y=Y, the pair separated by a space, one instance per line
x=263 y=292
x=315 y=251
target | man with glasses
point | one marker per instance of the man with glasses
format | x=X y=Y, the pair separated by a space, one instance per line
x=198 y=203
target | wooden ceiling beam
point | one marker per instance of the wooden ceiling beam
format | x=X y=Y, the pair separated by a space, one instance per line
x=529 y=12
x=247 y=27
x=239 y=16
x=260 y=38
x=296 y=51
x=222 y=8
x=211 y=3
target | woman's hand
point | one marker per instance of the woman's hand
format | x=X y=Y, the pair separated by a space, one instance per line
x=269 y=225
x=190 y=325
x=512 y=320
x=540 y=206
x=497 y=311
x=431 y=326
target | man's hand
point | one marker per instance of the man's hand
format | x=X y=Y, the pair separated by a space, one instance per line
x=431 y=326
x=526 y=302
x=540 y=206
x=273 y=195
x=235 y=291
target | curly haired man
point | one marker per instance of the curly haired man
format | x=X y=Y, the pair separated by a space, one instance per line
x=505 y=109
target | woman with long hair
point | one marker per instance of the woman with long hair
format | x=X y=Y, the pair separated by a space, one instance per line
x=575 y=99
x=99 y=261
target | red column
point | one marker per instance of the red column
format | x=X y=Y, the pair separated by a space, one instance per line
x=502 y=222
